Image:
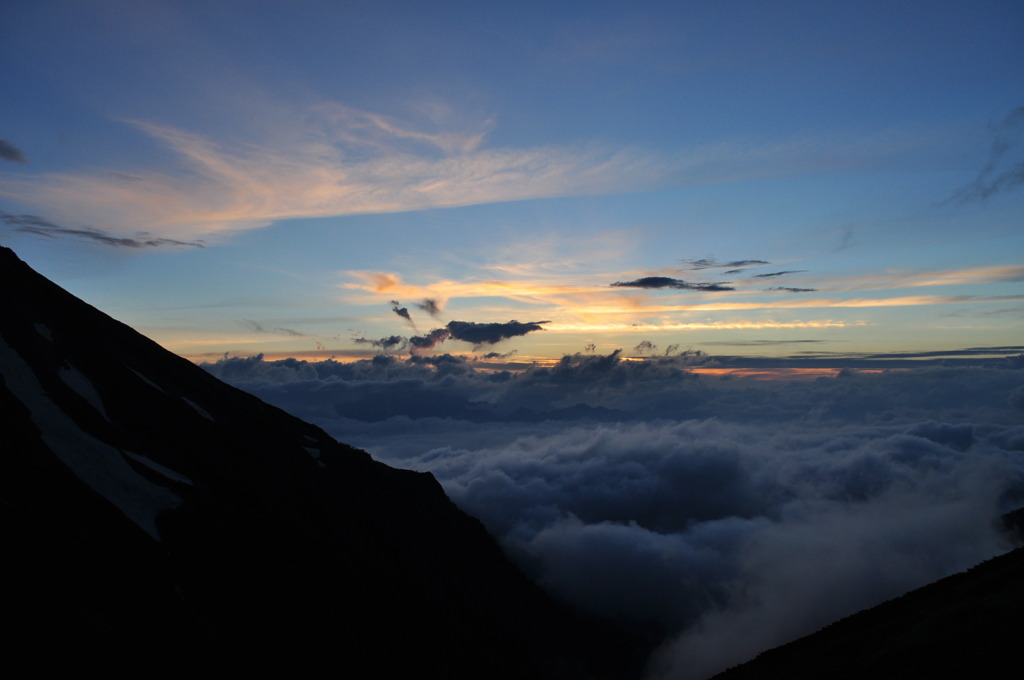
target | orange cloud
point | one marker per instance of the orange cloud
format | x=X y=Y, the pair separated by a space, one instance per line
x=572 y=301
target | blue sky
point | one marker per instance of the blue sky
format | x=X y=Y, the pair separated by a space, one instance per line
x=758 y=178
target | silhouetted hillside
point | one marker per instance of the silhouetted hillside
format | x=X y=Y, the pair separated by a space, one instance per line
x=152 y=514
x=964 y=626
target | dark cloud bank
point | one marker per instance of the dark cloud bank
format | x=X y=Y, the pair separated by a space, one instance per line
x=731 y=514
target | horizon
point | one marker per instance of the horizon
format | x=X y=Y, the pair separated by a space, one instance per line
x=751 y=367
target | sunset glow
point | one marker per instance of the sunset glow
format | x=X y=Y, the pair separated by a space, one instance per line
x=660 y=170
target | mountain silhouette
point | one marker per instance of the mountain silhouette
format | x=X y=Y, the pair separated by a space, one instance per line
x=967 y=625
x=153 y=517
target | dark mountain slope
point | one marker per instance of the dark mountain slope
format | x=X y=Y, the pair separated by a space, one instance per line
x=968 y=625
x=148 y=508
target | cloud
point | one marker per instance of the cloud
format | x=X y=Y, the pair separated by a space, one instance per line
x=430 y=306
x=402 y=312
x=863 y=302
x=33 y=224
x=730 y=514
x=578 y=303
x=500 y=355
x=428 y=341
x=349 y=164
x=666 y=282
x=1002 y=350
x=532 y=290
x=478 y=334
x=782 y=273
x=897 y=540
x=378 y=282
x=747 y=343
x=645 y=347
x=1004 y=168
x=333 y=160
x=260 y=328
x=392 y=342
x=491 y=333
x=1016 y=399
x=913 y=279
x=367 y=129
x=847 y=239
x=11 y=153
x=711 y=263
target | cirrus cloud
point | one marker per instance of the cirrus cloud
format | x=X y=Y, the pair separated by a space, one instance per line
x=336 y=160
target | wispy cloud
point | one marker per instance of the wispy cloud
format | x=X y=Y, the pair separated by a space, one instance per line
x=258 y=327
x=771 y=275
x=712 y=263
x=341 y=161
x=356 y=164
x=11 y=153
x=666 y=282
x=911 y=279
x=804 y=303
x=535 y=290
x=33 y=224
x=1004 y=168
x=700 y=325
x=403 y=312
x=430 y=306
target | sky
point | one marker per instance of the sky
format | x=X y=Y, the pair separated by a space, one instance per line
x=556 y=254
x=778 y=179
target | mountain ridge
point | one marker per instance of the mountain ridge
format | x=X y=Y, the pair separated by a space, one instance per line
x=147 y=505
x=965 y=625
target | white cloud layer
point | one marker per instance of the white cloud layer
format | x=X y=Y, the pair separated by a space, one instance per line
x=732 y=514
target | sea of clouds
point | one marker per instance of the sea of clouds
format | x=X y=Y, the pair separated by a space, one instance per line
x=728 y=514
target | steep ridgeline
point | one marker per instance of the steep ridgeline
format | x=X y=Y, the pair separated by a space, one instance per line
x=149 y=510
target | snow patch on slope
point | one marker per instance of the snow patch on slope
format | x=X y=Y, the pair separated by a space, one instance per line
x=162 y=470
x=44 y=331
x=84 y=388
x=198 y=409
x=101 y=466
x=148 y=381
